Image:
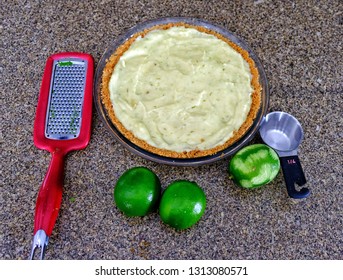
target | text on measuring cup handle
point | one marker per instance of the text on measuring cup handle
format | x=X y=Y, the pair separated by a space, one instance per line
x=291 y=161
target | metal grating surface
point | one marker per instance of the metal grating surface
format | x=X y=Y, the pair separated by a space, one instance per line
x=66 y=99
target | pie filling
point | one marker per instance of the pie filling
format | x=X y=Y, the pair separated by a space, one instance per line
x=180 y=89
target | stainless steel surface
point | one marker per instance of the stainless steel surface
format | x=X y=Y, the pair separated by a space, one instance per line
x=282 y=132
x=40 y=241
x=66 y=98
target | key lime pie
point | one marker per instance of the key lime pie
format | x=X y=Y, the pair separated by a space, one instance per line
x=181 y=90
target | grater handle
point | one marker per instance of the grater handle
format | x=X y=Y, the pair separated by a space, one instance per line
x=50 y=194
x=48 y=203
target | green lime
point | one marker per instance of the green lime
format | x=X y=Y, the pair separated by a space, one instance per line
x=182 y=204
x=137 y=191
x=253 y=166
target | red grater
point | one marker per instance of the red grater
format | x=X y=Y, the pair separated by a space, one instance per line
x=62 y=124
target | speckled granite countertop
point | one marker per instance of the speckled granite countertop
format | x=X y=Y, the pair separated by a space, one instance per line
x=300 y=46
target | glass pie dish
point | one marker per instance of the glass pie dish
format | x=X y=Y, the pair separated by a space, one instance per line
x=244 y=140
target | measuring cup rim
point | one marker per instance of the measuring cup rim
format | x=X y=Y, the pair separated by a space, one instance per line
x=264 y=127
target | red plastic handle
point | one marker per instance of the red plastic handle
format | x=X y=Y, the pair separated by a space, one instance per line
x=50 y=194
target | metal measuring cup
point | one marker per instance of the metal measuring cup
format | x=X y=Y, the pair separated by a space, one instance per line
x=282 y=132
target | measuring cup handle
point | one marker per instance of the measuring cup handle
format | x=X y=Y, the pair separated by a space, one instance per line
x=293 y=173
